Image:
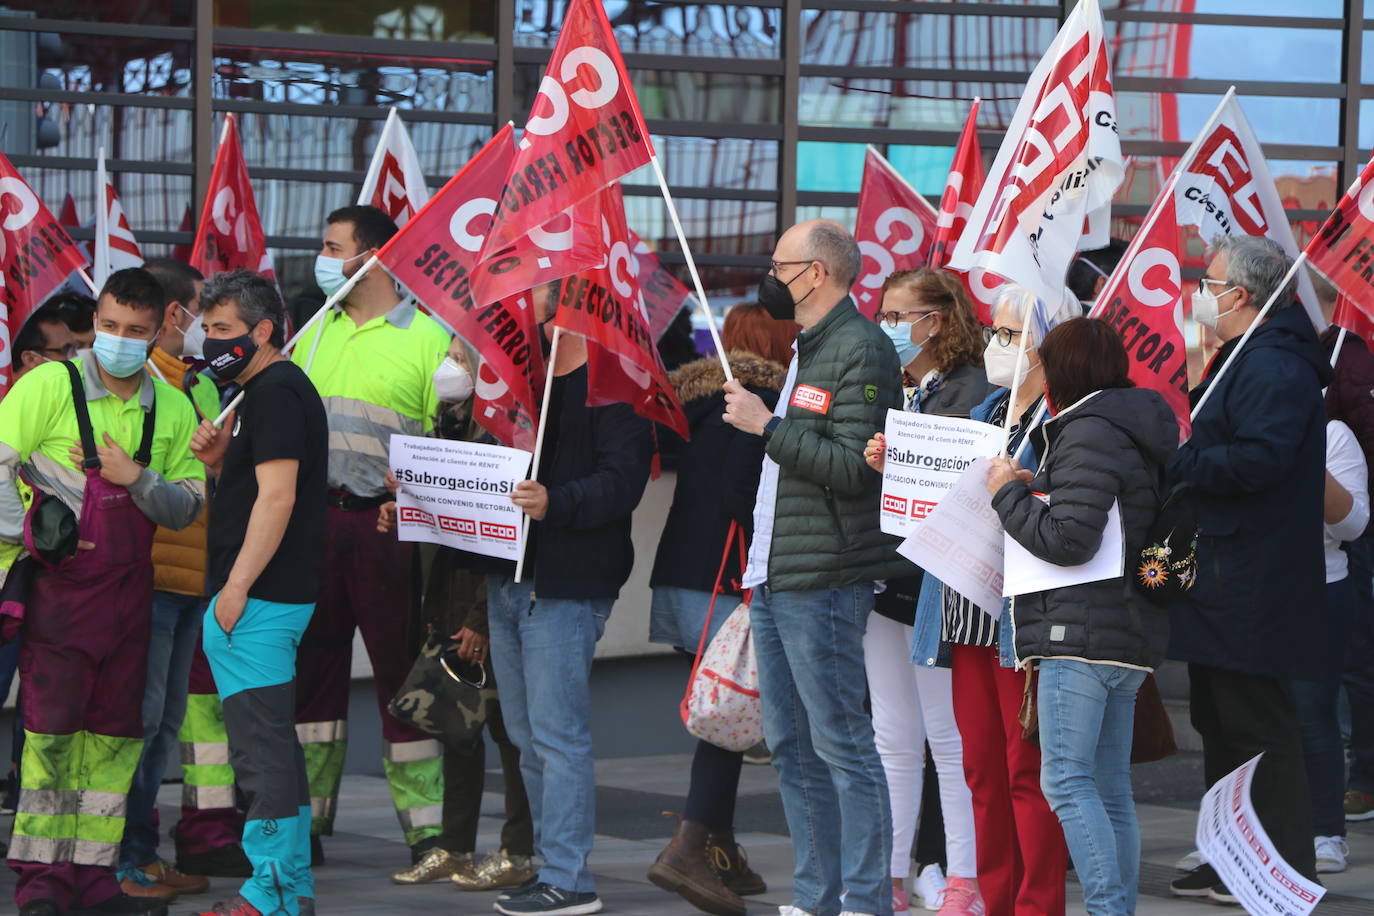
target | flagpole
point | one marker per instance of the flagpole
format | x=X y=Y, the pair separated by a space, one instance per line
x=1015 y=382
x=89 y=282
x=1259 y=319
x=374 y=168
x=1340 y=342
x=691 y=268
x=538 y=447
x=102 y=221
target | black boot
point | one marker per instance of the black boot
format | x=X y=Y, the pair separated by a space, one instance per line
x=728 y=859
x=683 y=868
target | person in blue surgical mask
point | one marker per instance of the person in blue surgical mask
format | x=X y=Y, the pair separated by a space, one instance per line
x=930 y=320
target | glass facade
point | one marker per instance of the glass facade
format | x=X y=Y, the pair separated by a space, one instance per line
x=760 y=109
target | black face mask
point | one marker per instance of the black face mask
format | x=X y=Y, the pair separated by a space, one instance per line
x=228 y=358
x=776 y=297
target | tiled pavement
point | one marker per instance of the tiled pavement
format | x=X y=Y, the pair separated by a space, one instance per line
x=631 y=793
x=642 y=771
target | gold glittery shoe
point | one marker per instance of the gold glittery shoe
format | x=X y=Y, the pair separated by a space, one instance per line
x=436 y=865
x=496 y=871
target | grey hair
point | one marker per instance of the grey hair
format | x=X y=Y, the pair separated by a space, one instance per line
x=253 y=296
x=1258 y=265
x=832 y=245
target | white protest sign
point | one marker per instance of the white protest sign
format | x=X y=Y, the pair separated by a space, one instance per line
x=1025 y=573
x=458 y=494
x=1233 y=841
x=960 y=542
x=925 y=456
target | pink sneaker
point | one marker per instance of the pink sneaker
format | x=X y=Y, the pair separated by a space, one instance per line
x=901 y=902
x=962 y=899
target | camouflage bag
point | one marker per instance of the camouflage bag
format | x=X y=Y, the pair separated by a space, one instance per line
x=445 y=696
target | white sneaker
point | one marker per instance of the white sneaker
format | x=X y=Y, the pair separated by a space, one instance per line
x=930 y=887
x=1191 y=861
x=791 y=910
x=1331 y=854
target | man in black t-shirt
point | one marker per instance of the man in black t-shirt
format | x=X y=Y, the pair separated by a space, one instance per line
x=265 y=545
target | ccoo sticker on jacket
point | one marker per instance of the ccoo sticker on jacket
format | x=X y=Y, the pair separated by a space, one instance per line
x=810 y=398
x=870 y=393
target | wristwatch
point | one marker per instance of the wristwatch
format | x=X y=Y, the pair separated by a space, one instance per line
x=772 y=424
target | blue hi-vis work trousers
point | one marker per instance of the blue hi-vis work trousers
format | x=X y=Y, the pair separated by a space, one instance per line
x=255 y=670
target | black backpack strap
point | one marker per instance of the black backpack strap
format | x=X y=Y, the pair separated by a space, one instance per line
x=145 y=447
x=83 y=418
x=188 y=381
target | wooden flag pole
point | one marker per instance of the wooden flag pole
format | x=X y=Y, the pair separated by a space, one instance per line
x=691 y=268
x=1015 y=382
x=538 y=447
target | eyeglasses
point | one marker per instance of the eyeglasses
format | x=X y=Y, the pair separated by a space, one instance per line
x=1004 y=335
x=1229 y=287
x=777 y=264
x=66 y=352
x=892 y=319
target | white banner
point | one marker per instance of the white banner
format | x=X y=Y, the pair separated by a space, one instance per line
x=1060 y=161
x=1234 y=842
x=395 y=182
x=1226 y=189
x=458 y=494
x=960 y=542
x=925 y=456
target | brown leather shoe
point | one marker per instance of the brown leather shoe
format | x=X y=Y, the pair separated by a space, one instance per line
x=728 y=859
x=146 y=890
x=684 y=869
x=166 y=873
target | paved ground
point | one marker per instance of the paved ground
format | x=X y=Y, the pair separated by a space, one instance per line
x=642 y=772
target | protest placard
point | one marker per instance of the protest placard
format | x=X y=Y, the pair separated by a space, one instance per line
x=960 y=541
x=925 y=456
x=1025 y=573
x=1234 y=842
x=458 y=494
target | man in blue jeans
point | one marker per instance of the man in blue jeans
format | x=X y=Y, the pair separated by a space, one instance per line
x=816 y=552
x=544 y=629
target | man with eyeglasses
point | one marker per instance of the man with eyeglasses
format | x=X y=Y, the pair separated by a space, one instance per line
x=1256 y=464
x=816 y=552
x=44 y=338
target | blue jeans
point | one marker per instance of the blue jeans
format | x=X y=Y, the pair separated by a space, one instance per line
x=809 y=646
x=541 y=654
x=1087 y=718
x=1316 y=702
x=171 y=646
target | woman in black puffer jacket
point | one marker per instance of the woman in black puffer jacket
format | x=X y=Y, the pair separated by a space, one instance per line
x=1093 y=643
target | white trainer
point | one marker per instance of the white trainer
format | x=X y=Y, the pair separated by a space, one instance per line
x=1331 y=854
x=930 y=887
x=1191 y=861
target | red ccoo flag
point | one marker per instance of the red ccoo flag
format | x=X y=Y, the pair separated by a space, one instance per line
x=36 y=254
x=605 y=306
x=1143 y=301
x=436 y=256
x=1353 y=318
x=1343 y=248
x=663 y=295
x=230 y=234
x=894 y=228
x=584 y=131
x=962 y=188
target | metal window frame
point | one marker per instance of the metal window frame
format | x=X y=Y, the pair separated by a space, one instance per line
x=504 y=56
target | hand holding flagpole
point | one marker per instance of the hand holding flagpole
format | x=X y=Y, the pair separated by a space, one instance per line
x=538 y=446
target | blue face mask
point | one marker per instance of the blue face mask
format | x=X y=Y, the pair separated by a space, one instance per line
x=901 y=339
x=120 y=356
x=329 y=273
